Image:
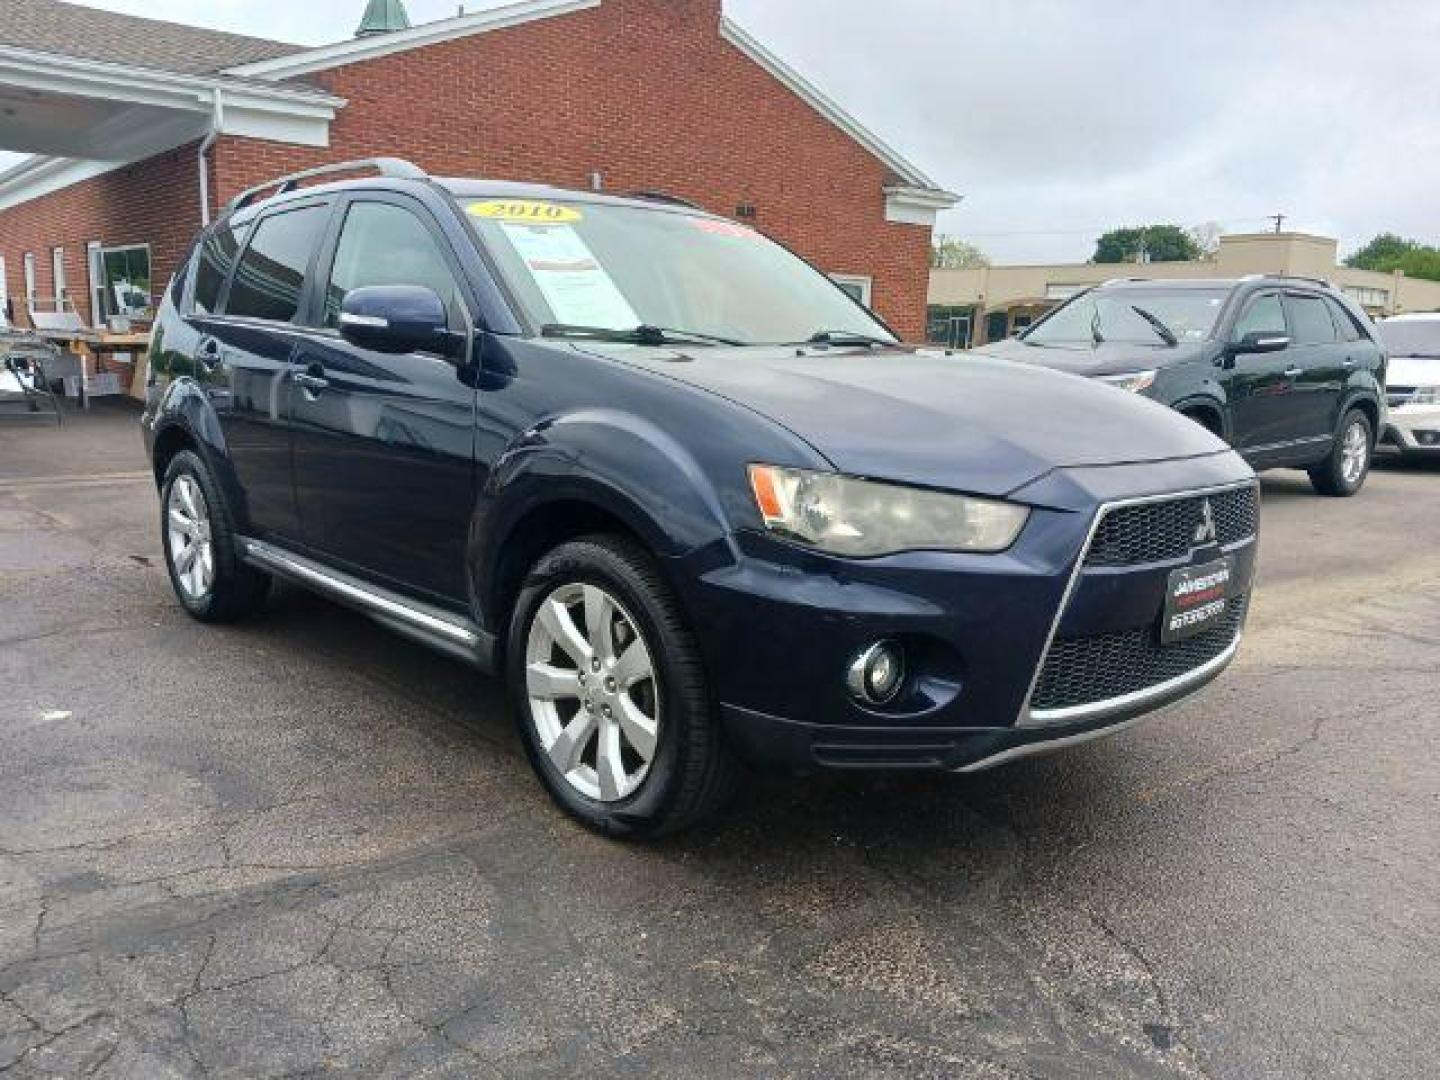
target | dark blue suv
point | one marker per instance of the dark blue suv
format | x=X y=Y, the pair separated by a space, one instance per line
x=696 y=504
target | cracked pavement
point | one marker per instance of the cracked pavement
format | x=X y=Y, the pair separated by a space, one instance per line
x=303 y=845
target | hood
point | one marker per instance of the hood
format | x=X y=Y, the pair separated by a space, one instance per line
x=1106 y=358
x=963 y=422
x=1413 y=371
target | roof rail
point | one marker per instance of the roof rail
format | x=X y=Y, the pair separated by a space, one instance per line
x=663 y=197
x=385 y=166
x=1289 y=277
x=1122 y=280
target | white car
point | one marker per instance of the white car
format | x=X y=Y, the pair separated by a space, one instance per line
x=1413 y=382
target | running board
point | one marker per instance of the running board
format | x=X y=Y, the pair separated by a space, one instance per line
x=441 y=630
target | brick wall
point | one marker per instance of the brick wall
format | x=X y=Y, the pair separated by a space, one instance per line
x=645 y=92
x=154 y=201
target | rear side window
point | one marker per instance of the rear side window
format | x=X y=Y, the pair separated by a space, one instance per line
x=271 y=273
x=177 y=282
x=1344 y=321
x=217 y=258
x=1311 y=319
x=384 y=244
x=1262 y=315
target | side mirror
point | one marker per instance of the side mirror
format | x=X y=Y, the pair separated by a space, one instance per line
x=394 y=318
x=1261 y=341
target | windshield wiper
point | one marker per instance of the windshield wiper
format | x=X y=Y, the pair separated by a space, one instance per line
x=1166 y=334
x=1095 y=335
x=843 y=337
x=644 y=334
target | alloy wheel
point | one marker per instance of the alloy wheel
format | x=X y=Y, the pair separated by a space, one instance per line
x=192 y=551
x=1354 y=453
x=593 y=692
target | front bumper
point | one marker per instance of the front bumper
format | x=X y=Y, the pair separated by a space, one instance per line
x=1414 y=429
x=779 y=629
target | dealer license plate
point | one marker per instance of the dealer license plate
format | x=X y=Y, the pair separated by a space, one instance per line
x=1196 y=599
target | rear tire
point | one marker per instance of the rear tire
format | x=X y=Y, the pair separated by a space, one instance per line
x=615 y=717
x=198 y=534
x=1345 y=468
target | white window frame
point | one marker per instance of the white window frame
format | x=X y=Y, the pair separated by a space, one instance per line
x=104 y=286
x=29 y=281
x=4 y=295
x=57 y=276
x=95 y=272
x=860 y=281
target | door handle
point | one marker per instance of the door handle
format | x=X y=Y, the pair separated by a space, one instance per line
x=1348 y=365
x=1293 y=372
x=310 y=382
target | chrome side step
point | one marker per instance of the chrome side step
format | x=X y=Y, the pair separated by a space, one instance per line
x=449 y=633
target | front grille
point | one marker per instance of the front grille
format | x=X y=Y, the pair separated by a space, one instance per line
x=1156 y=531
x=1086 y=670
x=1400 y=395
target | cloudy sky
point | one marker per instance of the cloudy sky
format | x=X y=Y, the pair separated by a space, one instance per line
x=1057 y=119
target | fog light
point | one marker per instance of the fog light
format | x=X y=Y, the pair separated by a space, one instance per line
x=1428 y=438
x=877 y=674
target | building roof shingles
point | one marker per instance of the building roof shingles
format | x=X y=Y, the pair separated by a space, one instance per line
x=74 y=30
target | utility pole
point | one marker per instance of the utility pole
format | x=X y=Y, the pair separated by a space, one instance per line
x=1279 y=219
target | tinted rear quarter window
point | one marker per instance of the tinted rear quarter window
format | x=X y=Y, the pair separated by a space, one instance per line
x=1311 y=318
x=177 y=282
x=1345 y=323
x=217 y=257
x=271 y=273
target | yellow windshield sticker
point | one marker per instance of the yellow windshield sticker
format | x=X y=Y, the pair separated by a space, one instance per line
x=527 y=211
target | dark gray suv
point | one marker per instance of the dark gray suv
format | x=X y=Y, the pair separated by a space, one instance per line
x=1288 y=370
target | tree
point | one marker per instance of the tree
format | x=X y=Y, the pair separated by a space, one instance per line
x=1388 y=252
x=950 y=253
x=1161 y=243
x=1207 y=239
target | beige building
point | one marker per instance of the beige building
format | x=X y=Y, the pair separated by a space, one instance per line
x=986 y=303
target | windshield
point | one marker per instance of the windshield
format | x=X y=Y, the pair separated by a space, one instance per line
x=1132 y=316
x=575 y=265
x=1411 y=337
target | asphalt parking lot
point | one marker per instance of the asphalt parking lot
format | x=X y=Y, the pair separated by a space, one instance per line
x=304 y=845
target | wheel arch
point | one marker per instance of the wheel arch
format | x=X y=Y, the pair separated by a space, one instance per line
x=186 y=420
x=539 y=528
x=1208 y=412
x=1366 y=404
x=595 y=471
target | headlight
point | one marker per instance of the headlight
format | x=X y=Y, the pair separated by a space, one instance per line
x=845 y=516
x=1134 y=381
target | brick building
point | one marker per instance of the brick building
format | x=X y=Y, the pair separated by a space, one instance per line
x=139 y=129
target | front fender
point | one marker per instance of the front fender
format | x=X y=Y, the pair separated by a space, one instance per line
x=622 y=465
x=1210 y=399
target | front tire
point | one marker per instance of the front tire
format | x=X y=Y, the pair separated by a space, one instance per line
x=198 y=535
x=1345 y=468
x=610 y=694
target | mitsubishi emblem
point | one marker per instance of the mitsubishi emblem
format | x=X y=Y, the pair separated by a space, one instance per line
x=1205 y=531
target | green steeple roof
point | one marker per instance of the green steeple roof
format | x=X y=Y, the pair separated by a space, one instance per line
x=383 y=16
